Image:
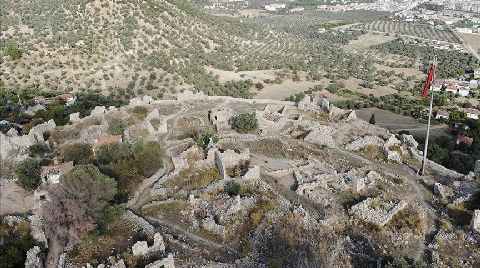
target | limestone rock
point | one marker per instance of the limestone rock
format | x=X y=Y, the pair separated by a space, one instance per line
x=158 y=244
x=140 y=248
x=321 y=135
x=75 y=117
x=442 y=190
x=475 y=223
x=98 y=111
x=377 y=212
x=12 y=132
x=36 y=230
x=167 y=262
x=364 y=142
x=34 y=259
x=209 y=224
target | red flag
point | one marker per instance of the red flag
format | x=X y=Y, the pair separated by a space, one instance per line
x=429 y=80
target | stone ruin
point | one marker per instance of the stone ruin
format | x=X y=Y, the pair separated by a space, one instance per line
x=155 y=123
x=13 y=144
x=220 y=117
x=321 y=135
x=141 y=248
x=376 y=211
x=309 y=104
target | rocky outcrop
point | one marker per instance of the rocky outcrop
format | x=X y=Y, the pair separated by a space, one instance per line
x=364 y=142
x=141 y=248
x=321 y=135
x=34 y=259
x=14 y=145
x=475 y=223
x=167 y=262
x=210 y=225
x=36 y=230
x=442 y=191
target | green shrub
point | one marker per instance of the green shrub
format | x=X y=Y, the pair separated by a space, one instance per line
x=108 y=215
x=16 y=241
x=28 y=174
x=232 y=188
x=38 y=149
x=112 y=152
x=202 y=138
x=79 y=153
x=13 y=52
x=116 y=126
x=140 y=112
x=244 y=122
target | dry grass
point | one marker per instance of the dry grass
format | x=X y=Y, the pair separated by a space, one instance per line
x=190 y=180
x=97 y=247
x=257 y=213
x=411 y=219
x=373 y=152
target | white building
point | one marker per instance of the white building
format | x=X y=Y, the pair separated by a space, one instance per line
x=463 y=91
x=472 y=113
x=442 y=114
x=274 y=7
x=465 y=30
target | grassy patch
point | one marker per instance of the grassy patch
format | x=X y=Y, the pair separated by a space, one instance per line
x=373 y=152
x=411 y=219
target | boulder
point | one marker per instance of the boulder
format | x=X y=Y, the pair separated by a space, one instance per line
x=167 y=262
x=140 y=248
x=475 y=223
x=75 y=117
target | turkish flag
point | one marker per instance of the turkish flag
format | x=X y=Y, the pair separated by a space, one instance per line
x=429 y=80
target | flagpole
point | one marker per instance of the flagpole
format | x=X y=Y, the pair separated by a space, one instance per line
x=425 y=150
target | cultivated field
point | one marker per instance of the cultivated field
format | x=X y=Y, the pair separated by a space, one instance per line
x=472 y=39
x=396 y=122
x=367 y=40
x=421 y=30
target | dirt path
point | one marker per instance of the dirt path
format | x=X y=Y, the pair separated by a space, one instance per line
x=54 y=252
x=142 y=194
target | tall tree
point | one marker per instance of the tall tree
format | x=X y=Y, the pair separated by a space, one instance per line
x=372 y=119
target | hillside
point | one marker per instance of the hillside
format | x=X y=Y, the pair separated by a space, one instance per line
x=285 y=186
x=130 y=47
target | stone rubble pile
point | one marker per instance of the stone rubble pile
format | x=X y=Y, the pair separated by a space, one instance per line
x=376 y=211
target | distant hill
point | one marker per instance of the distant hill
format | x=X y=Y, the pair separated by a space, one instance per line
x=130 y=47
